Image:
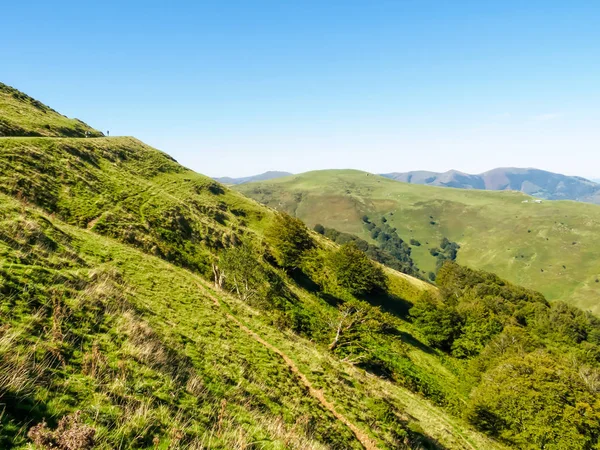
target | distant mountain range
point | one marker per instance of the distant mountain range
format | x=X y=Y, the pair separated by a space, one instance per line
x=535 y=182
x=539 y=183
x=262 y=177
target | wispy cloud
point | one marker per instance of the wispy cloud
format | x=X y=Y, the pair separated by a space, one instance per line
x=546 y=117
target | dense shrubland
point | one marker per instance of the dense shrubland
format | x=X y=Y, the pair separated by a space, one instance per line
x=533 y=366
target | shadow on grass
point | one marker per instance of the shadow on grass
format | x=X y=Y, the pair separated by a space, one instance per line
x=390 y=303
x=17 y=414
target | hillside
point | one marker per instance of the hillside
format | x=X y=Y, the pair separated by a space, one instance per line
x=538 y=183
x=270 y=175
x=553 y=247
x=111 y=329
x=143 y=305
x=22 y=115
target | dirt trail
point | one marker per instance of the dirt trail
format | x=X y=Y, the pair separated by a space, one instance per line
x=364 y=439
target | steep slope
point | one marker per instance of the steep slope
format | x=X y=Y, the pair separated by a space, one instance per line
x=553 y=247
x=106 y=246
x=270 y=175
x=539 y=183
x=21 y=115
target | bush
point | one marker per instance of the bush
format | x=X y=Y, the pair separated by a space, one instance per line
x=319 y=228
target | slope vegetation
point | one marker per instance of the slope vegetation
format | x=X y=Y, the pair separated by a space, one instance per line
x=261 y=177
x=21 y=115
x=112 y=337
x=553 y=246
x=143 y=305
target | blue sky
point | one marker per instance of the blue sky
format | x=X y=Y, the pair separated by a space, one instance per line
x=241 y=87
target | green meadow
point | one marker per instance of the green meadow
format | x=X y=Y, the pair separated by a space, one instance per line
x=553 y=246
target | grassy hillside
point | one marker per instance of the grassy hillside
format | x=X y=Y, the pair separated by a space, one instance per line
x=21 y=115
x=105 y=248
x=143 y=305
x=553 y=247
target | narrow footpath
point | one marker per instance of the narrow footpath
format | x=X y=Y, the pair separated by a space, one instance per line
x=363 y=438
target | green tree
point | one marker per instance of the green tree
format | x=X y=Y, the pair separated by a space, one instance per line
x=533 y=401
x=355 y=272
x=240 y=270
x=289 y=239
x=439 y=323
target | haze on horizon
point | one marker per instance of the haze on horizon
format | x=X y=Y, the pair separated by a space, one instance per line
x=236 y=89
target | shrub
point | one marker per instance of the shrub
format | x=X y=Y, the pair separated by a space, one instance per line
x=70 y=434
x=355 y=272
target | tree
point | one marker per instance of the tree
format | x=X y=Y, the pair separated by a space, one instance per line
x=355 y=320
x=239 y=269
x=289 y=239
x=535 y=402
x=319 y=228
x=439 y=323
x=355 y=271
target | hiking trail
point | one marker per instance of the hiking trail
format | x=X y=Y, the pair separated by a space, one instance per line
x=317 y=394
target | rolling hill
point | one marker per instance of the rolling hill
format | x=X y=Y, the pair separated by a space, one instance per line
x=552 y=246
x=538 y=183
x=270 y=175
x=143 y=305
x=113 y=332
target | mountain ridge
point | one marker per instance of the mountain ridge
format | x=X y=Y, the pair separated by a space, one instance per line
x=535 y=182
x=269 y=175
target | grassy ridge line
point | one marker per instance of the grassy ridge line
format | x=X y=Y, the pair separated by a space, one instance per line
x=364 y=439
x=553 y=247
x=21 y=115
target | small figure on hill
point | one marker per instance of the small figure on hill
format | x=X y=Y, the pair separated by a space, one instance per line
x=107 y=133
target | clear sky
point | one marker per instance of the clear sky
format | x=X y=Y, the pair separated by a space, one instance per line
x=241 y=87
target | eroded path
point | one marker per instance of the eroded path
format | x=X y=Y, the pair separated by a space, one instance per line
x=362 y=437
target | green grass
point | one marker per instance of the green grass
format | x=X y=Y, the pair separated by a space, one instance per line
x=103 y=242
x=553 y=247
x=21 y=115
x=167 y=362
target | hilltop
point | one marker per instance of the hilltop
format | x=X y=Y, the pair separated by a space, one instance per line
x=26 y=116
x=538 y=183
x=553 y=247
x=270 y=175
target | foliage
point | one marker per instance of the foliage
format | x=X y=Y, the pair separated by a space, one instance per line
x=373 y=251
x=535 y=372
x=354 y=271
x=388 y=240
x=290 y=239
x=448 y=251
x=242 y=271
x=439 y=324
